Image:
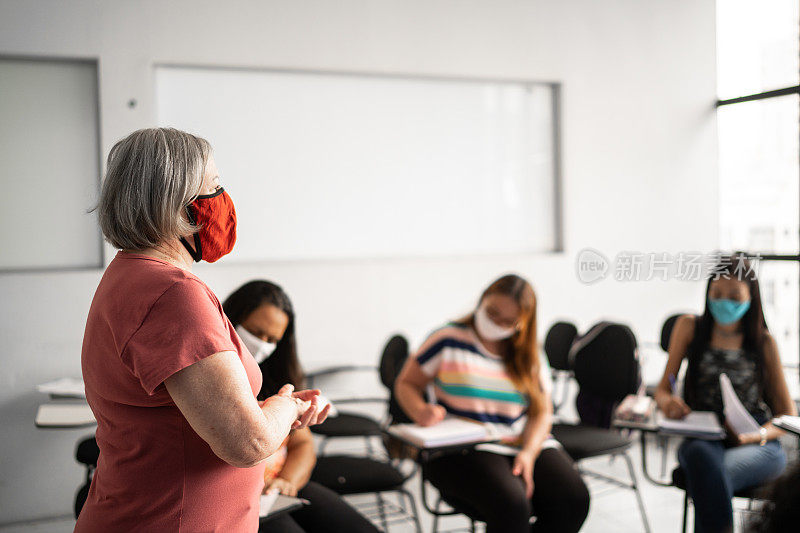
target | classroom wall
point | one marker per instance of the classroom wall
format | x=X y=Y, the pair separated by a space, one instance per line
x=639 y=164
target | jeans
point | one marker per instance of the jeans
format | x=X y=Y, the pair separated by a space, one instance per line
x=714 y=473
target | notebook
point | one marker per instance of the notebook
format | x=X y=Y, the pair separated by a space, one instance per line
x=697 y=424
x=449 y=432
x=788 y=422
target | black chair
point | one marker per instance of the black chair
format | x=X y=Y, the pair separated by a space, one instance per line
x=346 y=424
x=666 y=330
x=87 y=454
x=352 y=475
x=606 y=367
x=557 y=344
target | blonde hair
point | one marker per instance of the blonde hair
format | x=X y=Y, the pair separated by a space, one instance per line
x=151 y=176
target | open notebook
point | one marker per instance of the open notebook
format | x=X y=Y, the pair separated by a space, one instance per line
x=791 y=423
x=697 y=424
x=453 y=431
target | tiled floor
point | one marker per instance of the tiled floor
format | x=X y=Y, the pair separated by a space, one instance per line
x=611 y=510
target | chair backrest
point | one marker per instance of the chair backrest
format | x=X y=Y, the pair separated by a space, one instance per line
x=87 y=452
x=666 y=330
x=393 y=358
x=606 y=361
x=557 y=344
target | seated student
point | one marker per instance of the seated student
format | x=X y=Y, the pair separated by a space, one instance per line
x=730 y=337
x=263 y=316
x=486 y=366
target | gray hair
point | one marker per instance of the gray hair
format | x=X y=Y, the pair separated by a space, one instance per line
x=151 y=176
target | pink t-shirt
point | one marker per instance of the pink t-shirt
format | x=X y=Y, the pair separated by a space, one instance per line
x=148 y=320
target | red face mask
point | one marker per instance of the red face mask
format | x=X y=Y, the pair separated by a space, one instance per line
x=216 y=216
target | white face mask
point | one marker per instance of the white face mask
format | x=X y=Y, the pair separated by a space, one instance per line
x=258 y=348
x=487 y=328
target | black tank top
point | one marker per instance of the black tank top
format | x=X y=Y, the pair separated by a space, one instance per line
x=741 y=366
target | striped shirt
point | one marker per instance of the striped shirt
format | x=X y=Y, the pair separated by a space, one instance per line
x=470 y=381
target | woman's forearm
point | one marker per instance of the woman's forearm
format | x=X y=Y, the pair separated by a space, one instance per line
x=300 y=461
x=279 y=415
x=410 y=398
x=661 y=397
x=536 y=431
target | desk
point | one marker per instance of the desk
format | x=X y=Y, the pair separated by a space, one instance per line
x=66 y=415
x=424 y=454
x=69 y=411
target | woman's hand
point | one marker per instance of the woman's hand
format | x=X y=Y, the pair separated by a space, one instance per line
x=747 y=438
x=430 y=415
x=675 y=408
x=307 y=405
x=285 y=487
x=523 y=467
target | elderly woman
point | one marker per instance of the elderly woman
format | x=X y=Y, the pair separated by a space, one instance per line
x=182 y=437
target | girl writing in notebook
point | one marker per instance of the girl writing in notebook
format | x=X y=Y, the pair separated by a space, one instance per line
x=486 y=367
x=263 y=317
x=730 y=337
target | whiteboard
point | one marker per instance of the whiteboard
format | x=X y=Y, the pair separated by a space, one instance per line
x=327 y=166
x=50 y=164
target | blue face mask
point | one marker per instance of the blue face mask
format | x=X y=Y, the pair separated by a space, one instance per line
x=727 y=311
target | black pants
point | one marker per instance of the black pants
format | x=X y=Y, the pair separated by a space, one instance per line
x=483 y=482
x=328 y=512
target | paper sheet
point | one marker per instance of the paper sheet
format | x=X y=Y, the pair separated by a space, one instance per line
x=266 y=502
x=737 y=417
x=64 y=387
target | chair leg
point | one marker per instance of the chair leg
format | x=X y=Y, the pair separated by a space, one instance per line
x=638 y=494
x=413 y=513
x=664 y=445
x=435 y=527
x=370 y=449
x=381 y=511
x=685 y=510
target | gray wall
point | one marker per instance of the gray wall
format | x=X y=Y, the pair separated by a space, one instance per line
x=639 y=169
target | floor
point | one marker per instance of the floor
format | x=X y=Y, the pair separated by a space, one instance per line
x=612 y=510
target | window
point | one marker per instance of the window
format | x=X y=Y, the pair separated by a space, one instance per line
x=758 y=46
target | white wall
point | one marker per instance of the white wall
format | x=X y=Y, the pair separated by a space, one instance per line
x=639 y=169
